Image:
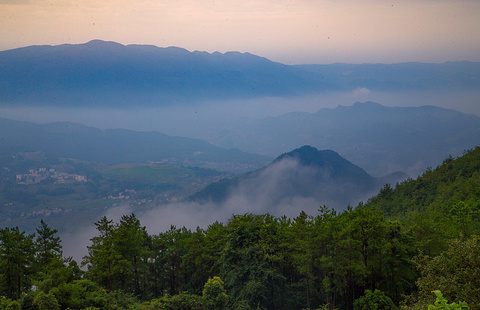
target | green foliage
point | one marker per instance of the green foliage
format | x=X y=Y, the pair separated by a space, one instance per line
x=441 y=204
x=455 y=272
x=44 y=301
x=181 y=301
x=214 y=294
x=49 y=249
x=26 y=302
x=250 y=260
x=17 y=252
x=82 y=294
x=8 y=304
x=441 y=303
x=376 y=300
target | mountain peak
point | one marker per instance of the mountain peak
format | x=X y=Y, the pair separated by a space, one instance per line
x=367 y=104
x=102 y=44
x=309 y=155
x=324 y=176
x=327 y=160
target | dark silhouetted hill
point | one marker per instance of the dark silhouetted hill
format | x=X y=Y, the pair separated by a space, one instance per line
x=305 y=173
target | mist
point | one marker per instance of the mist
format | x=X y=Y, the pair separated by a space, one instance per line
x=201 y=120
x=284 y=188
x=204 y=118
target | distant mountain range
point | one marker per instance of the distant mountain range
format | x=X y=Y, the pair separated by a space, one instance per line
x=118 y=146
x=304 y=173
x=110 y=74
x=380 y=139
x=401 y=76
x=100 y=73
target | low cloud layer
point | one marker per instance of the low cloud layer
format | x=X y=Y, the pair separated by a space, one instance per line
x=272 y=191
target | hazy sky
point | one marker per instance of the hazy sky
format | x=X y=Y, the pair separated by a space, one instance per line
x=288 y=31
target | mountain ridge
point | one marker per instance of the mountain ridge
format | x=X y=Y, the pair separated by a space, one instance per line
x=115 y=146
x=140 y=73
x=106 y=73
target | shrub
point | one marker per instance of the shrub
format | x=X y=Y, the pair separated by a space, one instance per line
x=376 y=300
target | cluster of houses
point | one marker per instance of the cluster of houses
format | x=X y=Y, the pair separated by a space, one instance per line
x=42 y=212
x=36 y=176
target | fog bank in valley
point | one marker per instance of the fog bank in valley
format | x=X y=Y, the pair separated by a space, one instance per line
x=282 y=189
x=190 y=215
x=200 y=119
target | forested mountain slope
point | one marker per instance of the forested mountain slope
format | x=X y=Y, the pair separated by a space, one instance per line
x=442 y=203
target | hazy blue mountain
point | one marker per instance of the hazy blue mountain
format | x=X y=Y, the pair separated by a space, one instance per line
x=100 y=73
x=115 y=146
x=380 y=139
x=304 y=173
x=108 y=73
x=401 y=76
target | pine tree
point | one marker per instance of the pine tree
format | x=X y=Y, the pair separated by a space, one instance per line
x=17 y=252
x=48 y=247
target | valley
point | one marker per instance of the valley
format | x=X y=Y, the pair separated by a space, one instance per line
x=92 y=189
x=143 y=177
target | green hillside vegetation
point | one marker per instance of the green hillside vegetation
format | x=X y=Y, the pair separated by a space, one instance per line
x=443 y=203
x=389 y=252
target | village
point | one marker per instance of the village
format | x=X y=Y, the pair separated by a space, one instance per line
x=36 y=176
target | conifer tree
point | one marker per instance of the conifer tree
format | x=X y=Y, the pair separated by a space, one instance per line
x=17 y=253
x=48 y=246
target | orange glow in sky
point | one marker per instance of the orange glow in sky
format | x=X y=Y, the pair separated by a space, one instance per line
x=287 y=31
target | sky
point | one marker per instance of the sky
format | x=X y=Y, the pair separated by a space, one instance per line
x=287 y=31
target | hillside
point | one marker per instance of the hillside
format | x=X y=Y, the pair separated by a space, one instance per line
x=442 y=203
x=304 y=173
x=119 y=146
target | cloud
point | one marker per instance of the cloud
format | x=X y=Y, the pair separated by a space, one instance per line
x=360 y=91
x=284 y=188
